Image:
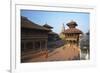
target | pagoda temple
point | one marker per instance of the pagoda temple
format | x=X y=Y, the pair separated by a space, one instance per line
x=34 y=39
x=53 y=37
x=72 y=34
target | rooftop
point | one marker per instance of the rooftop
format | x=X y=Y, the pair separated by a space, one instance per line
x=72 y=28
x=72 y=24
x=47 y=26
x=26 y=23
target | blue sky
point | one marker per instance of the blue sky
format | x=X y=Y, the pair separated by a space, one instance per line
x=57 y=19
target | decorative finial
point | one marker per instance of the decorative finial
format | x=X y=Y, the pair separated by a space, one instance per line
x=72 y=24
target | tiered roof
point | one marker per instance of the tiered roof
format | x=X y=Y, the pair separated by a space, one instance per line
x=26 y=23
x=72 y=28
x=47 y=26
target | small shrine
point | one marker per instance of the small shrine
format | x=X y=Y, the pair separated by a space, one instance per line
x=72 y=34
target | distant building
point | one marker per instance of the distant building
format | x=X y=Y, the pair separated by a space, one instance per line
x=62 y=36
x=48 y=26
x=33 y=36
x=85 y=41
x=72 y=34
x=84 y=46
x=63 y=28
x=53 y=38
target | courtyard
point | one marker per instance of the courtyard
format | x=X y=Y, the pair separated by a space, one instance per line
x=62 y=53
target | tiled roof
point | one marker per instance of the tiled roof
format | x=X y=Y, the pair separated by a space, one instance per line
x=47 y=26
x=73 y=30
x=26 y=23
x=52 y=32
x=72 y=23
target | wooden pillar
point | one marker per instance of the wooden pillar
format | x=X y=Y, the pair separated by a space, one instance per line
x=33 y=45
x=24 y=45
x=78 y=41
x=46 y=56
x=40 y=46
